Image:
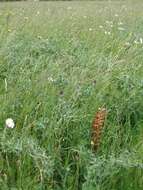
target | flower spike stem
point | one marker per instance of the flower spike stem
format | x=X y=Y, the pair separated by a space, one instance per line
x=97 y=126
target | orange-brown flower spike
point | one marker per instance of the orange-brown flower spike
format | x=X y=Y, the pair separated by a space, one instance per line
x=97 y=126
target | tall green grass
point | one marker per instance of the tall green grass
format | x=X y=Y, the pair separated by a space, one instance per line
x=60 y=62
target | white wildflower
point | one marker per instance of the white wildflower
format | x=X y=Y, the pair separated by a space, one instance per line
x=141 y=40
x=90 y=29
x=121 y=28
x=39 y=37
x=127 y=44
x=38 y=12
x=116 y=15
x=69 y=8
x=84 y=16
x=9 y=30
x=26 y=18
x=100 y=26
x=120 y=23
x=136 y=42
x=109 y=22
x=50 y=79
x=9 y=123
x=107 y=33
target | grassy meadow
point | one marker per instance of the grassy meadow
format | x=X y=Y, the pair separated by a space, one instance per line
x=59 y=63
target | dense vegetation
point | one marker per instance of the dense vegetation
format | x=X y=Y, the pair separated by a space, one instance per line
x=60 y=62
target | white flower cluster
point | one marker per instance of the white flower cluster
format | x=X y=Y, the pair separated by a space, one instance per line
x=9 y=123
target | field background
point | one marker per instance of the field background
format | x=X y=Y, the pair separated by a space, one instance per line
x=60 y=62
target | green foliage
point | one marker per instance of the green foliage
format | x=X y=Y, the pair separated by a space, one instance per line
x=60 y=62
